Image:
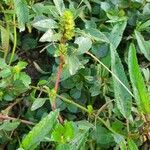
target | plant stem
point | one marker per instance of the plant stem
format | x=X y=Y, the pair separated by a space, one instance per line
x=106 y=125
x=73 y=103
x=11 y=105
x=58 y=76
x=4 y=117
x=102 y=108
x=86 y=110
x=82 y=108
x=96 y=59
x=15 y=40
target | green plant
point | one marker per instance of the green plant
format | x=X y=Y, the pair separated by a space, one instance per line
x=86 y=81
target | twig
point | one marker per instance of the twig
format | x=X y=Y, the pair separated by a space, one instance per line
x=4 y=117
x=102 y=108
x=6 y=110
x=97 y=60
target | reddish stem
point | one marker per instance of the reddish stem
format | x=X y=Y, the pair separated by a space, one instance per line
x=3 y=117
x=59 y=72
x=58 y=76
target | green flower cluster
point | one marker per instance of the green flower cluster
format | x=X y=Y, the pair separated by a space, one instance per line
x=67 y=25
x=62 y=49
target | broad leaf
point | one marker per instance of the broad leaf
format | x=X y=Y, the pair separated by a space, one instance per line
x=38 y=133
x=81 y=135
x=73 y=64
x=39 y=102
x=97 y=35
x=102 y=135
x=63 y=133
x=140 y=92
x=26 y=80
x=49 y=36
x=22 y=12
x=45 y=24
x=122 y=97
x=9 y=126
x=84 y=44
x=143 y=45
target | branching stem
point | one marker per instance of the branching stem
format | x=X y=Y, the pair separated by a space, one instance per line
x=4 y=117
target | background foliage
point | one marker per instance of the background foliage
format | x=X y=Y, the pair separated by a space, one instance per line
x=74 y=75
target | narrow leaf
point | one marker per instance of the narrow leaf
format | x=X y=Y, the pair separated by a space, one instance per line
x=5 y=40
x=131 y=144
x=144 y=26
x=122 y=97
x=140 y=92
x=59 y=6
x=38 y=133
x=117 y=33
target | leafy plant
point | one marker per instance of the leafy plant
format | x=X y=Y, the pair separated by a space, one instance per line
x=74 y=74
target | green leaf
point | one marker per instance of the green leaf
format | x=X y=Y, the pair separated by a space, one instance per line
x=63 y=147
x=22 y=12
x=81 y=135
x=123 y=145
x=73 y=64
x=95 y=89
x=2 y=63
x=120 y=140
x=49 y=36
x=45 y=24
x=5 y=40
x=131 y=144
x=102 y=135
x=144 y=26
x=59 y=6
x=140 y=92
x=117 y=33
x=122 y=97
x=84 y=44
x=28 y=42
x=63 y=133
x=88 y=5
x=96 y=35
x=39 y=102
x=5 y=73
x=26 y=80
x=38 y=133
x=9 y=126
x=143 y=45
x=21 y=65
